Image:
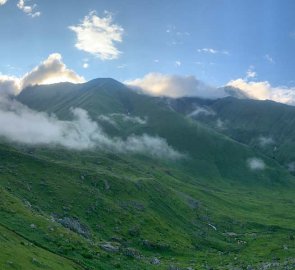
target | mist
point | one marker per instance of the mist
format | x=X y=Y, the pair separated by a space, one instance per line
x=20 y=124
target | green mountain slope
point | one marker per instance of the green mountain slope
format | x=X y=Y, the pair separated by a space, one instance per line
x=265 y=125
x=100 y=210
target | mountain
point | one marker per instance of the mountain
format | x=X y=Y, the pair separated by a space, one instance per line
x=264 y=125
x=221 y=204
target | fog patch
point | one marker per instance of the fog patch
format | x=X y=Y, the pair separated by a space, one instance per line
x=201 y=111
x=256 y=164
x=220 y=124
x=23 y=125
x=131 y=119
x=265 y=141
x=291 y=167
x=107 y=119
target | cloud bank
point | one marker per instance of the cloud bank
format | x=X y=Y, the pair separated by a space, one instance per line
x=22 y=125
x=264 y=90
x=51 y=70
x=98 y=36
x=175 y=86
x=2 y=2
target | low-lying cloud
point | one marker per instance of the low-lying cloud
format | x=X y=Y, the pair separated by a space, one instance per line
x=115 y=118
x=51 y=70
x=22 y=125
x=201 y=111
x=263 y=90
x=256 y=164
x=175 y=86
x=265 y=141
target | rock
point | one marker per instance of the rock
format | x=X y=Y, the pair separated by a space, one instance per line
x=74 y=225
x=231 y=234
x=155 y=246
x=155 y=261
x=132 y=253
x=106 y=185
x=109 y=247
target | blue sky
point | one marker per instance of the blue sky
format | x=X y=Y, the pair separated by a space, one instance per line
x=214 y=40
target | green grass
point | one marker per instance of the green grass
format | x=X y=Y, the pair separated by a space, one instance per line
x=207 y=210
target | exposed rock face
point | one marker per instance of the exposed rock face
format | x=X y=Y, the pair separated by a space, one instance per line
x=74 y=225
x=109 y=247
x=155 y=261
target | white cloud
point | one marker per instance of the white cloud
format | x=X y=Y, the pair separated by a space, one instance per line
x=157 y=84
x=85 y=65
x=177 y=63
x=98 y=35
x=28 y=9
x=201 y=111
x=256 y=164
x=251 y=73
x=2 y=2
x=212 y=51
x=22 y=125
x=265 y=141
x=51 y=70
x=264 y=90
x=269 y=59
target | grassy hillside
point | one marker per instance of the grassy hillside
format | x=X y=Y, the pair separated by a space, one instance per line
x=265 y=125
x=95 y=209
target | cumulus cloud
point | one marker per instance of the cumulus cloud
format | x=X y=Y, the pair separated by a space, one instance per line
x=28 y=9
x=23 y=125
x=157 y=84
x=263 y=90
x=2 y=2
x=98 y=36
x=256 y=164
x=51 y=70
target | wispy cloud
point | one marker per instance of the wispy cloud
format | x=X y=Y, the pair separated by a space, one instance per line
x=51 y=70
x=177 y=63
x=269 y=59
x=176 y=37
x=98 y=36
x=28 y=9
x=212 y=51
